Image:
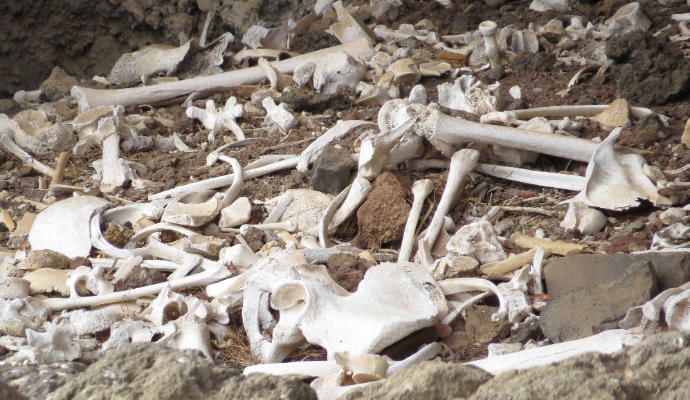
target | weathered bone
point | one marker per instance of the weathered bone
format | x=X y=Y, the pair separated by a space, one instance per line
x=488 y=31
x=532 y=177
x=89 y=98
x=359 y=190
x=420 y=190
x=338 y=131
x=7 y=128
x=461 y=164
x=216 y=119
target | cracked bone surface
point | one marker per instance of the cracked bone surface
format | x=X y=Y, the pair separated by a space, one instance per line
x=420 y=190
x=461 y=164
x=216 y=119
x=391 y=302
x=89 y=98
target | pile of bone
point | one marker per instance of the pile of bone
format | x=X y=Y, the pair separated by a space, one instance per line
x=80 y=279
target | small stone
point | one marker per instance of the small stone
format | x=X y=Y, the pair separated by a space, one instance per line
x=44 y=259
x=58 y=84
x=137 y=144
x=236 y=214
x=591 y=310
x=381 y=219
x=479 y=326
x=331 y=172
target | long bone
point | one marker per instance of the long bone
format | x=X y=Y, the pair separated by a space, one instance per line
x=444 y=131
x=461 y=164
x=7 y=127
x=88 y=98
x=420 y=190
x=200 y=279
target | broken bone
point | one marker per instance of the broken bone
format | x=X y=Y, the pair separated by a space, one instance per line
x=359 y=190
x=217 y=119
x=7 y=129
x=278 y=114
x=339 y=69
x=89 y=98
x=420 y=190
x=338 y=131
x=461 y=164
x=138 y=66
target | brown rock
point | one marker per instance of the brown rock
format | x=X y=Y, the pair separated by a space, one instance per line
x=591 y=310
x=381 y=219
x=479 y=326
x=615 y=115
x=58 y=84
x=346 y=269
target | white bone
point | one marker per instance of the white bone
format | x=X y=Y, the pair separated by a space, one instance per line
x=614 y=181
x=355 y=197
x=236 y=214
x=338 y=131
x=463 y=285
x=538 y=178
x=478 y=240
x=607 y=342
x=420 y=190
x=303 y=74
x=281 y=204
x=488 y=31
x=338 y=69
x=676 y=236
x=305 y=210
x=288 y=225
x=200 y=279
x=89 y=279
x=348 y=28
x=375 y=151
x=545 y=5
x=12 y=288
x=278 y=114
x=573 y=111
x=468 y=94
x=38 y=135
x=17 y=315
x=537 y=269
x=328 y=213
x=48 y=280
x=405 y=72
x=7 y=129
x=515 y=294
x=56 y=344
x=583 y=219
x=277 y=79
x=217 y=119
x=417 y=95
x=89 y=98
x=68 y=220
x=461 y=164
x=88 y=322
x=294 y=293
x=115 y=172
x=139 y=66
x=628 y=18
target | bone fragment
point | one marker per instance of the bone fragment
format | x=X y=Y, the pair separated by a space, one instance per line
x=556 y=247
x=498 y=269
x=358 y=192
x=7 y=128
x=278 y=114
x=338 y=131
x=329 y=212
x=532 y=177
x=488 y=32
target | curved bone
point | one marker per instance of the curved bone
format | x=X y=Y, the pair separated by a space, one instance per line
x=376 y=150
x=90 y=279
x=328 y=214
x=338 y=131
x=463 y=285
x=462 y=163
x=282 y=204
x=89 y=98
x=420 y=190
x=159 y=227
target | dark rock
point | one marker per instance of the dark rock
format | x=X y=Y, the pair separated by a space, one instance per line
x=578 y=271
x=593 y=309
x=331 y=172
x=304 y=99
x=58 y=84
x=8 y=106
x=145 y=371
x=137 y=144
x=426 y=381
x=657 y=368
x=381 y=219
x=346 y=269
x=539 y=62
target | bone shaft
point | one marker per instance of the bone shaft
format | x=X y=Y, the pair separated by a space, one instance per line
x=89 y=98
x=25 y=157
x=538 y=178
x=411 y=227
x=60 y=166
x=574 y=111
x=456 y=131
x=461 y=164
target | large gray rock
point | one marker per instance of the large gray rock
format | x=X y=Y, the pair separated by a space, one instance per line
x=38 y=381
x=657 y=368
x=587 y=311
x=156 y=372
x=331 y=172
x=426 y=381
x=579 y=271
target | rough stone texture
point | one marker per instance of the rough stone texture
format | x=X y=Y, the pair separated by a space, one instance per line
x=306 y=99
x=657 y=368
x=37 y=381
x=137 y=144
x=426 y=381
x=45 y=259
x=58 y=84
x=156 y=372
x=381 y=219
x=647 y=70
x=332 y=169
x=591 y=310
x=7 y=393
x=346 y=269
x=479 y=326
x=577 y=271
